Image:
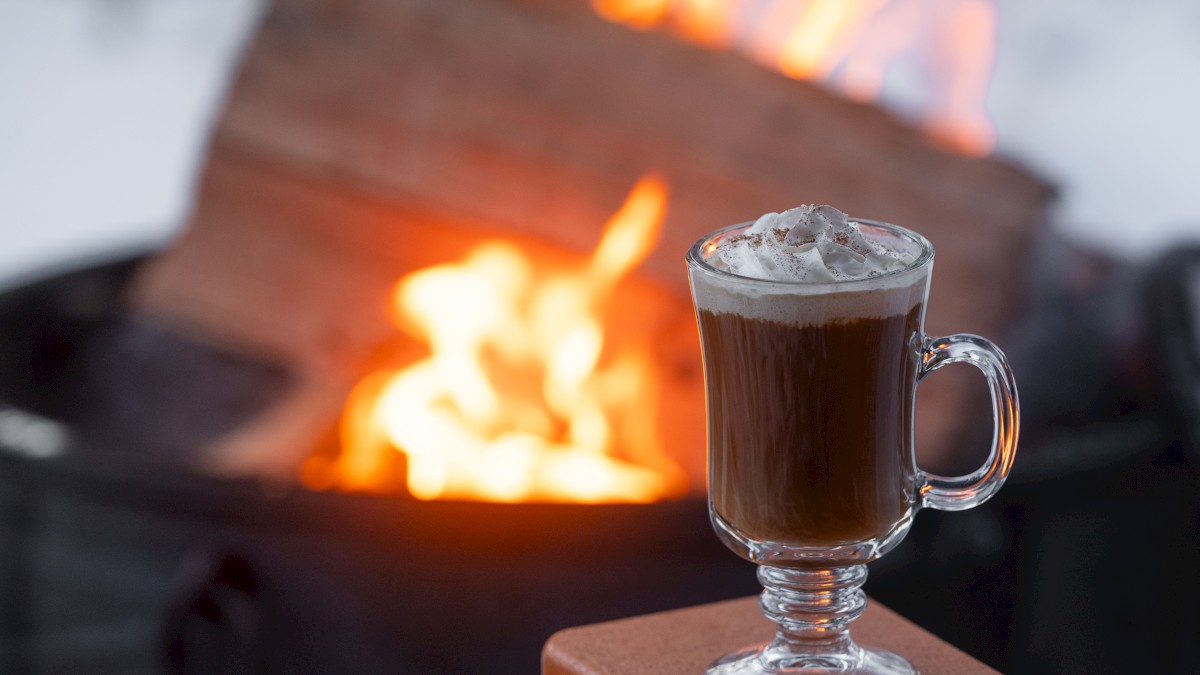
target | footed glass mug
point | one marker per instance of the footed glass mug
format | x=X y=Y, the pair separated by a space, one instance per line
x=810 y=393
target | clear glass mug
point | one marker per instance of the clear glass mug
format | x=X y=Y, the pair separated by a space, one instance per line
x=810 y=394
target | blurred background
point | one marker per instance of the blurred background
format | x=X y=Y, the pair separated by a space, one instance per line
x=112 y=101
x=177 y=478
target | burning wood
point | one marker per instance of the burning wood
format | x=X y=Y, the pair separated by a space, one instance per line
x=371 y=140
x=515 y=402
x=849 y=45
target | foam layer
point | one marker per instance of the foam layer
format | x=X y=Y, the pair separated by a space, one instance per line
x=816 y=244
x=820 y=282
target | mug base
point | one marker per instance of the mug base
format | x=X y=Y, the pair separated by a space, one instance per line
x=753 y=661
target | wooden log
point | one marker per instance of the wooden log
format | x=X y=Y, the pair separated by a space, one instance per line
x=688 y=640
x=364 y=140
x=323 y=295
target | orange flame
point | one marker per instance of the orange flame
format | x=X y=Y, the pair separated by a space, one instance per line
x=850 y=44
x=515 y=401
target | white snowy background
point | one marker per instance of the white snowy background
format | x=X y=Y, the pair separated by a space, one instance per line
x=105 y=107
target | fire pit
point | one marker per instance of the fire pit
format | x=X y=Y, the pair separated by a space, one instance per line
x=123 y=557
x=194 y=397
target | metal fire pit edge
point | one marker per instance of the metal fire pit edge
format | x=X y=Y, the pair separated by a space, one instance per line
x=130 y=562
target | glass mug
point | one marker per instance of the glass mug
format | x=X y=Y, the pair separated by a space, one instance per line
x=810 y=395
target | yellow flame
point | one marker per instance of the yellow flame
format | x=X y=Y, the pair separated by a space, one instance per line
x=707 y=22
x=849 y=44
x=639 y=14
x=825 y=32
x=960 y=120
x=515 y=401
x=630 y=233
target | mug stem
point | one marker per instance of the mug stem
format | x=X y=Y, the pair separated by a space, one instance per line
x=812 y=609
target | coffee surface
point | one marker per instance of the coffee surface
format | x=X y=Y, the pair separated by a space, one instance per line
x=809 y=425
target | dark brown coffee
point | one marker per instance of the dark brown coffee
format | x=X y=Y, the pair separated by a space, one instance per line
x=810 y=441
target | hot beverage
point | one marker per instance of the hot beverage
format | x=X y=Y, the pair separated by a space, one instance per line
x=810 y=380
x=812 y=334
x=810 y=439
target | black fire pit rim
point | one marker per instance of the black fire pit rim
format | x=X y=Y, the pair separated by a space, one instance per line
x=258 y=502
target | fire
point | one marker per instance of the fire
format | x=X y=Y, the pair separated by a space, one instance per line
x=849 y=45
x=518 y=399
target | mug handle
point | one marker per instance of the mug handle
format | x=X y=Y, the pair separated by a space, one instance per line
x=964 y=492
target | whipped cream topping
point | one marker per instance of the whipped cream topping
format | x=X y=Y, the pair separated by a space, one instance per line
x=814 y=244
